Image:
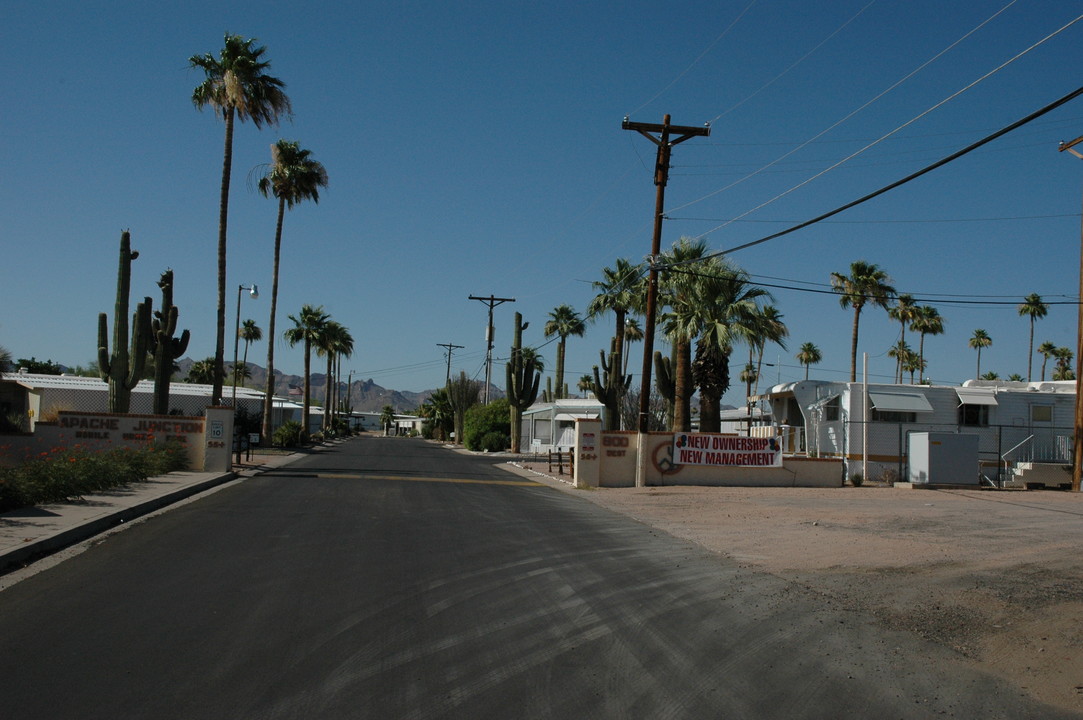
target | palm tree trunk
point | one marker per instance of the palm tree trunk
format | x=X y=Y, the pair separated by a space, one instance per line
x=853 y=344
x=268 y=399
x=978 y=371
x=307 y=402
x=223 y=215
x=921 y=355
x=1030 y=351
x=806 y=370
x=559 y=390
x=327 y=393
x=683 y=388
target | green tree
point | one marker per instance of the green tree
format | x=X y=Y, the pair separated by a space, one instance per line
x=906 y=312
x=865 y=284
x=678 y=294
x=563 y=322
x=488 y=427
x=1063 y=370
x=201 y=372
x=633 y=332
x=237 y=87
x=768 y=328
x=5 y=360
x=1046 y=350
x=1034 y=309
x=387 y=419
x=901 y=352
x=39 y=367
x=621 y=290
x=250 y=333
x=335 y=340
x=980 y=339
x=292 y=177
x=928 y=322
x=809 y=355
x=307 y=330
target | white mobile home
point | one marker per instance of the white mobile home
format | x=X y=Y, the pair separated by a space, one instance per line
x=551 y=426
x=1019 y=425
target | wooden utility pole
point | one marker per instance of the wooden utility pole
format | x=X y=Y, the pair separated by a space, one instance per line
x=491 y=302
x=1077 y=445
x=665 y=142
x=450 y=348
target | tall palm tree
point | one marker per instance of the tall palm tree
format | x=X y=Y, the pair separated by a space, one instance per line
x=808 y=355
x=1063 y=370
x=586 y=382
x=979 y=340
x=905 y=311
x=865 y=284
x=201 y=372
x=387 y=417
x=1035 y=309
x=720 y=311
x=334 y=340
x=563 y=322
x=250 y=333
x=237 y=87
x=928 y=322
x=900 y=351
x=633 y=332
x=621 y=290
x=293 y=177
x=307 y=329
x=1046 y=350
x=769 y=328
x=678 y=296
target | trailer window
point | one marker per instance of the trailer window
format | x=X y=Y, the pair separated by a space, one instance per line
x=974 y=415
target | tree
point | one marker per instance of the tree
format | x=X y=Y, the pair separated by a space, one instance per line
x=809 y=355
x=905 y=311
x=769 y=328
x=307 y=329
x=5 y=360
x=586 y=382
x=563 y=322
x=201 y=372
x=620 y=291
x=387 y=419
x=913 y=363
x=633 y=332
x=865 y=284
x=1063 y=370
x=1034 y=309
x=334 y=340
x=928 y=322
x=980 y=340
x=1046 y=350
x=901 y=352
x=292 y=177
x=37 y=367
x=991 y=375
x=678 y=294
x=237 y=87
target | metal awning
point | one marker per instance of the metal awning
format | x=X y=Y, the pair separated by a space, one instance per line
x=899 y=402
x=976 y=396
x=571 y=417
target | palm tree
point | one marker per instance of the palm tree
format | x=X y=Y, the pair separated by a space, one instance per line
x=905 y=311
x=5 y=360
x=678 y=294
x=334 y=340
x=928 y=322
x=563 y=322
x=769 y=328
x=1035 y=309
x=237 y=88
x=720 y=309
x=250 y=333
x=900 y=351
x=980 y=340
x=586 y=382
x=1046 y=350
x=307 y=329
x=387 y=417
x=201 y=372
x=809 y=355
x=292 y=178
x=866 y=283
x=620 y=291
x=1064 y=358
x=913 y=363
x=633 y=332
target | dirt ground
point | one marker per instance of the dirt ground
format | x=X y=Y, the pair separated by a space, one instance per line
x=994 y=575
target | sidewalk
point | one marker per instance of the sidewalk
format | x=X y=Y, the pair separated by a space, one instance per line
x=31 y=533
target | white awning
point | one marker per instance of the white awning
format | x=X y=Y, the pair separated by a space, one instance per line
x=976 y=396
x=899 y=402
x=571 y=417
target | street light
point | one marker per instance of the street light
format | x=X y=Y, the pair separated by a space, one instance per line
x=1077 y=441
x=254 y=292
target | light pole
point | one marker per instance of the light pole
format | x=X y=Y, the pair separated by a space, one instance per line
x=1077 y=454
x=254 y=292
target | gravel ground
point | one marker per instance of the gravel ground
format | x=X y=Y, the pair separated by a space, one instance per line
x=993 y=575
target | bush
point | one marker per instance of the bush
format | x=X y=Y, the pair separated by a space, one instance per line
x=483 y=420
x=495 y=441
x=289 y=434
x=856 y=479
x=67 y=473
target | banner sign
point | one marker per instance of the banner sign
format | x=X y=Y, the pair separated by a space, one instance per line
x=726 y=450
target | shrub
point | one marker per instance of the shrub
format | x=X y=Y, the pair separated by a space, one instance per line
x=481 y=420
x=289 y=434
x=856 y=479
x=495 y=441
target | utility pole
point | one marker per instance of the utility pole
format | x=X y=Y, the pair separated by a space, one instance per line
x=1077 y=450
x=492 y=302
x=665 y=143
x=450 y=348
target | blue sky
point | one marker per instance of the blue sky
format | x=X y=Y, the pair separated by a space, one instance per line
x=476 y=149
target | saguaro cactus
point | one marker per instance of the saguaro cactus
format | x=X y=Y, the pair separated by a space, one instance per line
x=122 y=369
x=609 y=387
x=166 y=347
x=522 y=383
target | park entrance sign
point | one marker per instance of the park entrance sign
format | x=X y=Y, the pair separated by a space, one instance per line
x=726 y=450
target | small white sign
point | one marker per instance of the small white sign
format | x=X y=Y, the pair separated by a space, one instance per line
x=217 y=430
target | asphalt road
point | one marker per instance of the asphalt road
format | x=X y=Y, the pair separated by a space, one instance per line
x=393 y=578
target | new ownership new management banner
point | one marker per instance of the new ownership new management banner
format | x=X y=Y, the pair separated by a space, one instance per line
x=726 y=450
